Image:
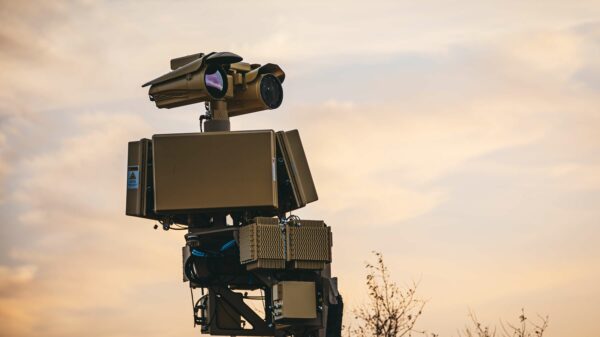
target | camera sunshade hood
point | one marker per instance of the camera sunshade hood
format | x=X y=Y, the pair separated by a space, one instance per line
x=196 y=61
x=268 y=68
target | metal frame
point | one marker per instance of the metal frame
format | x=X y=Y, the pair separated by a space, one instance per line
x=260 y=327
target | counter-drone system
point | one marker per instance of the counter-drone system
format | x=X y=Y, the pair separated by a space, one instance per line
x=233 y=192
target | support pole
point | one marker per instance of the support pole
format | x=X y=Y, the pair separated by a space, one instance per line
x=219 y=121
x=219 y=117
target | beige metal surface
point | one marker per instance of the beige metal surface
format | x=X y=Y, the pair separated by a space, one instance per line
x=308 y=244
x=300 y=166
x=214 y=171
x=180 y=91
x=294 y=300
x=137 y=164
x=247 y=95
x=298 y=171
x=246 y=100
x=179 y=62
x=262 y=245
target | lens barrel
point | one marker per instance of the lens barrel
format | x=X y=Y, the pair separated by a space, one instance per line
x=261 y=94
x=271 y=91
x=215 y=81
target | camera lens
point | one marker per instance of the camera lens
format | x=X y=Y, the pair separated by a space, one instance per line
x=271 y=91
x=214 y=80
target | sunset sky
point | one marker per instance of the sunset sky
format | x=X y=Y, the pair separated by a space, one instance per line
x=459 y=138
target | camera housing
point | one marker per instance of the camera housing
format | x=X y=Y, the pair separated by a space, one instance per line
x=215 y=77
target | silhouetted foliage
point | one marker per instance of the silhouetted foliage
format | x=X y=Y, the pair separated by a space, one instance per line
x=524 y=328
x=390 y=311
x=393 y=312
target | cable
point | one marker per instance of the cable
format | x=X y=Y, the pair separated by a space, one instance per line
x=228 y=245
x=190 y=272
x=168 y=223
x=193 y=305
x=202 y=118
x=207 y=114
x=255 y=298
x=262 y=293
x=178 y=228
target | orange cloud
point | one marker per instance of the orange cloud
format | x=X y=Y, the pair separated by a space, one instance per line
x=474 y=152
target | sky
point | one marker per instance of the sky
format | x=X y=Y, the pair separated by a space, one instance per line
x=458 y=138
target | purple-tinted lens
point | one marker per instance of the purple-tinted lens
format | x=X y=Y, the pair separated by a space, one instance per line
x=214 y=80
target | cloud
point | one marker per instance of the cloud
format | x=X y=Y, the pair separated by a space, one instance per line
x=4 y=166
x=81 y=161
x=460 y=140
x=13 y=278
x=381 y=162
x=73 y=194
x=14 y=281
x=577 y=176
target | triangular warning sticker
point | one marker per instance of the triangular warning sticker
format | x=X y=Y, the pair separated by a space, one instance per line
x=132 y=176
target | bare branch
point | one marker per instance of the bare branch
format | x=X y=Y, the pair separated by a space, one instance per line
x=524 y=328
x=390 y=311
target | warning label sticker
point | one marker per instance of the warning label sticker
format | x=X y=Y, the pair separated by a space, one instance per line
x=133 y=174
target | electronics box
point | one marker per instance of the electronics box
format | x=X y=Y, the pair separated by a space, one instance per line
x=299 y=244
x=177 y=175
x=294 y=300
x=214 y=171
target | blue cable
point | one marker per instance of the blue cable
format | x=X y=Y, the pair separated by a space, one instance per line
x=228 y=245
x=199 y=253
